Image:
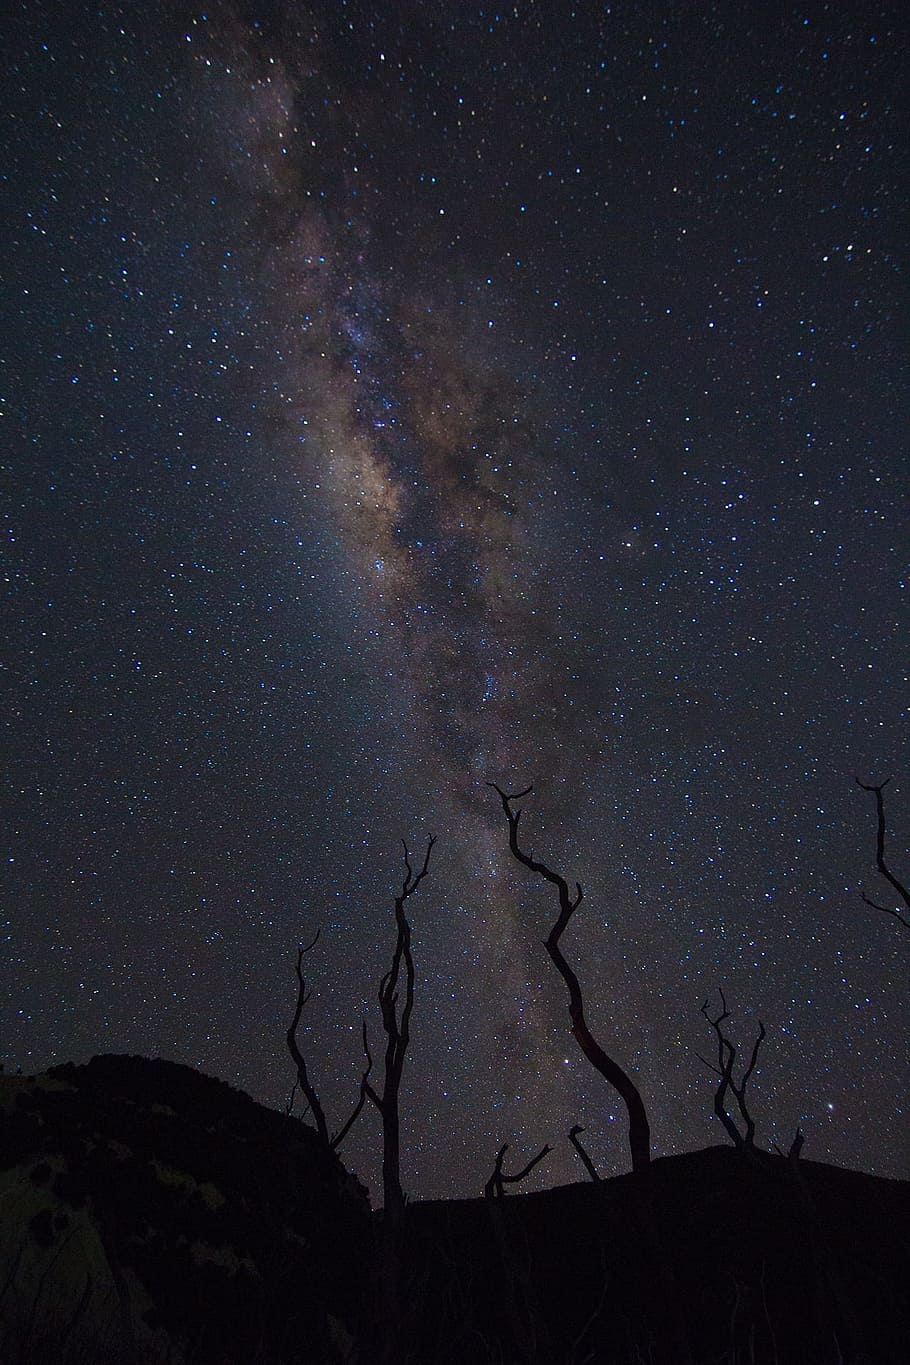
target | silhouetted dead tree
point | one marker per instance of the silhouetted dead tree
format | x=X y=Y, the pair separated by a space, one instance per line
x=495 y=1186
x=612 y=1072
x=576 y=1143
x=795 y=1148
x=880 y=863
x=303 y=1078
x=398 y=1034
x=726 y=1056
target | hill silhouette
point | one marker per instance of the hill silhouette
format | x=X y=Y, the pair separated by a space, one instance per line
x=152 y=1214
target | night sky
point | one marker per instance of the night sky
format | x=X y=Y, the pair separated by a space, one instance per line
x=406 y=395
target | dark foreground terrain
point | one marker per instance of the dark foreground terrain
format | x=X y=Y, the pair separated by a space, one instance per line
x=151 y=1214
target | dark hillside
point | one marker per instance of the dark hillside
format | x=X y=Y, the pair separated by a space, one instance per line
x=731 y=1261
x=151 y=1214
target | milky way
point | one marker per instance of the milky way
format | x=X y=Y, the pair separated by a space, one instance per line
x=407 y=397
x=426 y=451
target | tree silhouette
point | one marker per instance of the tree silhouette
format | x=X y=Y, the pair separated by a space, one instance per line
x=586 y=1160
x=880 y=863
x=398 y=1034
x=495 y=1186
x=612 y=1072
x=303 y=1077
x=726 y=1056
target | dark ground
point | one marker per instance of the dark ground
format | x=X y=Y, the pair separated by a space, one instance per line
x=150 y=1214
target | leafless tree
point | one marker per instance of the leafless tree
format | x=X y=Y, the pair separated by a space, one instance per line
x=303 y=1079
x=586 y=1160
x=726 y=1057
x=495 y=1186
x=880 y=863
x=794 y=1151
x=612 y=1072
x=396 y=1023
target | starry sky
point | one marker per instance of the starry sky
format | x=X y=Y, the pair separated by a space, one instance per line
x=400 y=396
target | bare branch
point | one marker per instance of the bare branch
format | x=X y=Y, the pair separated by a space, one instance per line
x=588 y=1163
x=411 y=882
x=880 y=863
x=397 y=1025
x=710 y=1065
x=526 y=1170
x=303 y=1080
x=740 y=1090
x=368 y=1089
x=302 y=1076
x=726 y=1056
x=342 y=1133
x=612 y=1072
x=495 y=1186
x=796 y=1146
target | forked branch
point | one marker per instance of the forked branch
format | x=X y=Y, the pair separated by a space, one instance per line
x=397 y=1025
x=303 y=1078
x=795 y=1148
x=880 y=863
x=726 y=1057
x=612 y=1072
x=495 y=1186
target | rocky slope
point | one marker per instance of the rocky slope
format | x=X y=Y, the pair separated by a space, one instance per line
x=149 y=1213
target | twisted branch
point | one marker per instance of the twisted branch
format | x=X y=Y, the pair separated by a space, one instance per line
x=397 y=1025
x=612 y=1072
x=303 y=1078
x=495 y=1186
x=880 y=857
x=726 y=1056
